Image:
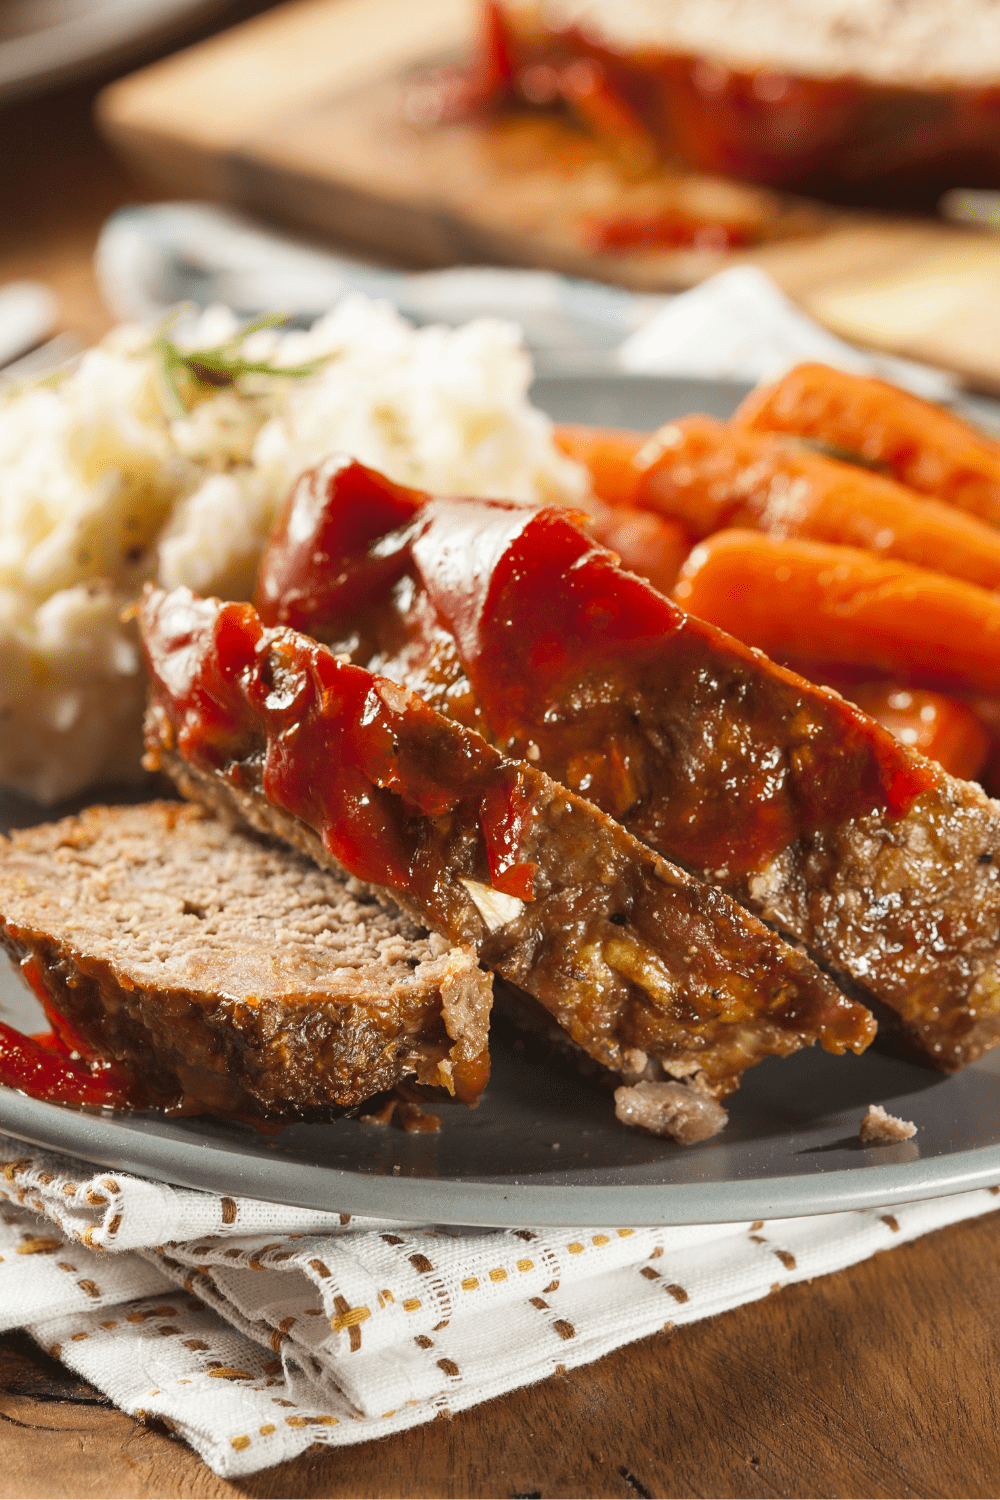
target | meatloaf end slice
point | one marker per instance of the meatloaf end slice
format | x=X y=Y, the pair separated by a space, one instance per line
x=230 y=972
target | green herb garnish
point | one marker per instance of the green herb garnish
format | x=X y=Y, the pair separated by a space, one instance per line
x=187 y=370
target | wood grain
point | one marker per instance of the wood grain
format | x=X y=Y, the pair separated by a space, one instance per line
x=881 y=1380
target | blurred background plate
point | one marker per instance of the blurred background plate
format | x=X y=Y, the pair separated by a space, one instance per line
x=640 y=403
x=46 y=42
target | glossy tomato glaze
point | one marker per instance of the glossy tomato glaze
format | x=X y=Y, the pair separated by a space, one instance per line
x=60 y=1067
x=379 y=776
x=763 y=124
x=360 y=760
x=510 y=619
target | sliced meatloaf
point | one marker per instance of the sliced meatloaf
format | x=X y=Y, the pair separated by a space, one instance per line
x=627 y=951
x=779 y=792
x=230 y=973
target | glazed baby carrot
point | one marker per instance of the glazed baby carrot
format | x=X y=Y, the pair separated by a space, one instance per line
x=608 y=453
x=811 y=602
x=913 y=441
x=942 y=728
x=647 y=544
x=710 y=475
x=654 y=546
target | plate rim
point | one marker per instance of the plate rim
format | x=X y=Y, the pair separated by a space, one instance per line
x=101 y=1141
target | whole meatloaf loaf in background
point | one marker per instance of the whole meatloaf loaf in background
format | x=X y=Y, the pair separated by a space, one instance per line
x=826 y=95
x=512 y=620
x=231 y=974
x=642 y=965
x=156 y=456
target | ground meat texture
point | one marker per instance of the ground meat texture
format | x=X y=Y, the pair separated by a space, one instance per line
x=879 y=1126
x=624 y=949
x=678 y=1110
x=229 y=970
x=777 y=791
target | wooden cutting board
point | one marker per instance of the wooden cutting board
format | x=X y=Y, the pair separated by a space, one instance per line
x=300 y=115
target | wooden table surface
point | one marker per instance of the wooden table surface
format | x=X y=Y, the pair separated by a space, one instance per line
x=882 y=1380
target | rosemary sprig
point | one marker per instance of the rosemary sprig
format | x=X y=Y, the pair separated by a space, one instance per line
x=223 y=364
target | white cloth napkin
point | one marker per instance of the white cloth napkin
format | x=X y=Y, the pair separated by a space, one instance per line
x=254 y=1331
x=739 y=325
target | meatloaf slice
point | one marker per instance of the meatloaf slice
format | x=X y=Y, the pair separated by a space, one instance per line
x=797 y=804
x=628 y=952
x=229 y=972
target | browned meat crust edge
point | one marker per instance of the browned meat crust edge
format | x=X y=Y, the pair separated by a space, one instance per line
x=609 y=1012
x=277 y=1054
x=907 y=910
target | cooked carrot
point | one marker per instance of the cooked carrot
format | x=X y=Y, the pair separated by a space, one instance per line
x=942 y=728
x=608 y=453
x=911 y=440
x=710 y=475
x=811 y=602
x=647 y=544
x=695 y=471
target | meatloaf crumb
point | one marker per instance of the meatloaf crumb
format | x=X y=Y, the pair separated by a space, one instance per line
x=678 y=1110
x=878 y=1125
x=230 y=970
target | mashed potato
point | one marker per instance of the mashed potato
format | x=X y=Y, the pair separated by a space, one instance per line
x=107 y=479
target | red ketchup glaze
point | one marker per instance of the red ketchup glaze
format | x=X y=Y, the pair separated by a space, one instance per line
x=532 y=602
x=58 y=1065
x=494 y=56
x=322 y=543
x=565 y=653
x=443 y=95
x=368 y=766
x=667 y=230
x=817 y=133
x=39 y=1067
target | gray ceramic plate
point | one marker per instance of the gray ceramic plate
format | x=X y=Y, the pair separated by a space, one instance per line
x=544 y=1148
x=639 y=402
x=48 y=42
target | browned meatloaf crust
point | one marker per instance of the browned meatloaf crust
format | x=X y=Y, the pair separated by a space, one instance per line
x=910 y=910
x=229 y=970
x=752 y=778
x=627 y=951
